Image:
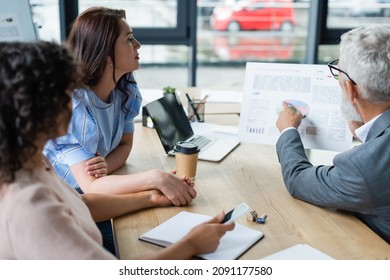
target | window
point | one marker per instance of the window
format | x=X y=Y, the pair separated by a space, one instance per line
x=343 y=15
x=212 y=49
x=232 y=32
x=144 y=14
x=47 y=18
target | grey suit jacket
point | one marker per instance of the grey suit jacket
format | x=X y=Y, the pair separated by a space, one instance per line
x=358 y=181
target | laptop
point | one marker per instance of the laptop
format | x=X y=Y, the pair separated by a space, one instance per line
x=172 y=125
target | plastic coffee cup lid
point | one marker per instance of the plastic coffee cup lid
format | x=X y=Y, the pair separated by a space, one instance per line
x=186 y=148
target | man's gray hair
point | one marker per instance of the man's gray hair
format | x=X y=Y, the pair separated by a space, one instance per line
x=365 y=56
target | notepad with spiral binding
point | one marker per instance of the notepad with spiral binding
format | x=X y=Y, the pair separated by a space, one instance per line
x=232 y=245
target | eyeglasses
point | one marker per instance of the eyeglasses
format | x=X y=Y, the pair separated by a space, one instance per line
x=335 y=71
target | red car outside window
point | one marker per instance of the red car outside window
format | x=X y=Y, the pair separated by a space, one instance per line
x=254 y=15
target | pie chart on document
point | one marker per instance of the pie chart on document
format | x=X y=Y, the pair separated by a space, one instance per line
x=298 y=104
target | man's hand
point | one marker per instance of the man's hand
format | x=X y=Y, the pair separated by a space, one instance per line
x=288 y=117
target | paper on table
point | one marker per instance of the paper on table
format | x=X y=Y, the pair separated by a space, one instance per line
x=222 y=96
x=200 y=128
x=299 y=252
x=309 y=88
x=232 y=245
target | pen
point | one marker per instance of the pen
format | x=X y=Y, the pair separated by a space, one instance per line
x=193 y=107
x=201 y=103
x=292 y=107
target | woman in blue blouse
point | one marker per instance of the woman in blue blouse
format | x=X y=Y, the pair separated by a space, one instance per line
x=100 y=135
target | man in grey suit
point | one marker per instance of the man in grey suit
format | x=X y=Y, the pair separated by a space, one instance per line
x=359 y=179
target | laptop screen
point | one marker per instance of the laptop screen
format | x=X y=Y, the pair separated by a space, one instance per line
x=170 y=120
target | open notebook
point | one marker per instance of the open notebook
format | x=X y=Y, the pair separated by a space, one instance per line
x=232 y=245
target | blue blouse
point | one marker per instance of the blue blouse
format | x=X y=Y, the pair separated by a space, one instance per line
x=95 y=126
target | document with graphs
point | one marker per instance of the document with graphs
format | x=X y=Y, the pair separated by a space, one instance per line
x=311 y=89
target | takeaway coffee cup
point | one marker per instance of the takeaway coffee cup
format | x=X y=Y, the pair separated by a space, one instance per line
x=186 y=154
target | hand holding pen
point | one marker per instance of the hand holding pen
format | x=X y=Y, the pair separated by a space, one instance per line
x=288 y=117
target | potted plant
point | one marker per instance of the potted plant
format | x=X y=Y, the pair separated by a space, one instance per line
x=169 y=90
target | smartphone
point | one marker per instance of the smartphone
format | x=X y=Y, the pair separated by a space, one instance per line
x=235 y=213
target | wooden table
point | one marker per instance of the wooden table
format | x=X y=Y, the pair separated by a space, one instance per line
x=250 y=174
